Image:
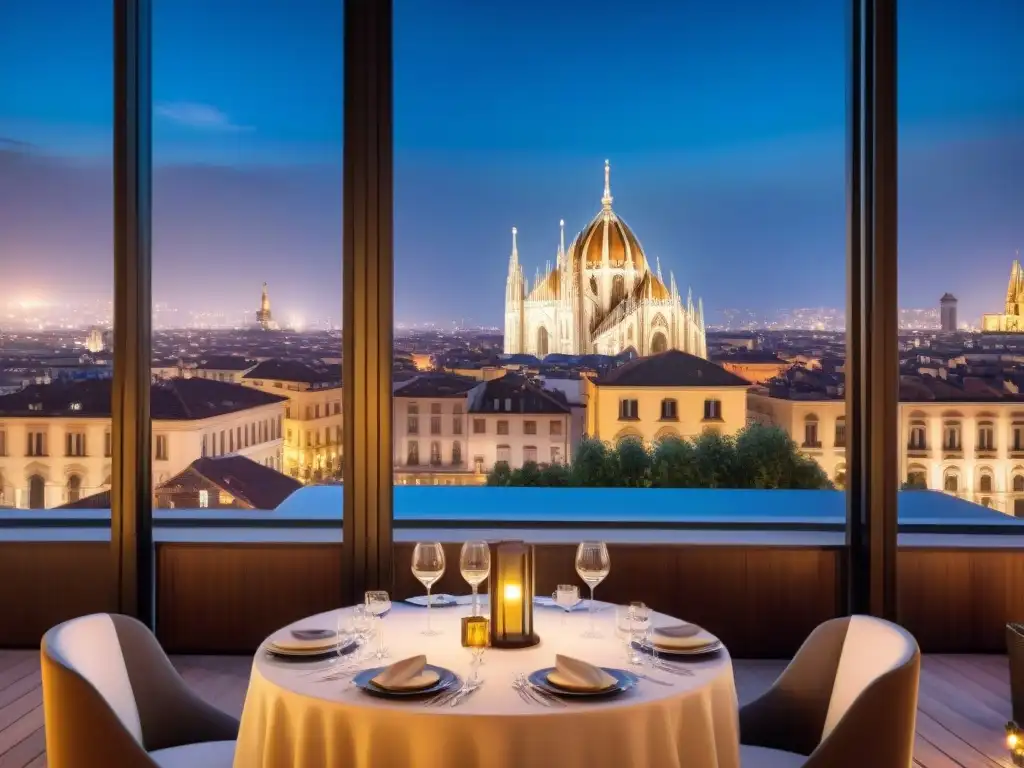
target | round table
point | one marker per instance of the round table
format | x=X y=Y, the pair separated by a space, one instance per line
x=291 y=719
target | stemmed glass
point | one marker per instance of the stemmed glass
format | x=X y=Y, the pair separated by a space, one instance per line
x=593 y=565
x=378 y=603
x=475 y=565
x=428 y=567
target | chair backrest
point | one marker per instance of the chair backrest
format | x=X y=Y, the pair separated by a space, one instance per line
x=90 y=646
x=871 y=649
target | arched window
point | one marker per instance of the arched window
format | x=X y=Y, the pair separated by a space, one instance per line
x=840 y=435
x=986 y=436
x=811 y=432
x=985 y=482
x=951 y=481
x=659 y=343
x=413 y=455
x=917 y=477
x=74 y=488
x=36 y=492
x=456 y=453
x=542 y=342
x=1018 y=483
x=918 y=437
x=951 y=437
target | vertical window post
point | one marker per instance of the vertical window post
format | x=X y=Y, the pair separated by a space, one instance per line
x=131 y=523
x=367 y=286
x=872 y=364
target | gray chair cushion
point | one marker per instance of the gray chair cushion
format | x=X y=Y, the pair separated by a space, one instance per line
x=209 y=754
x=762 y=757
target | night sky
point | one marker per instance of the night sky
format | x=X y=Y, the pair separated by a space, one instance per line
x=724 y=124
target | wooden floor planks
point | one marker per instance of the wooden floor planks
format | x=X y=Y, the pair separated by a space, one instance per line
x=963 y=705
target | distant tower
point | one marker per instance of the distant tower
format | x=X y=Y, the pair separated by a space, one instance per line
x=94 y=343
x=263 y=316
x=947 y=307
x=514 y=295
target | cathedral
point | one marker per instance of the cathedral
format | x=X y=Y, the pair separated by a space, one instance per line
x=601 y=297
x=1012 y=321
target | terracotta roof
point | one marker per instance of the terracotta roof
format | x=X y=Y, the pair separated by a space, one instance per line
x=170 y=399
x=253 y=484
x=671 y=369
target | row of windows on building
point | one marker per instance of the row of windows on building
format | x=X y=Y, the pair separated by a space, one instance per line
x=504 y=453
x=315 y=411
x=629 y=410
x=235 y=439
x=331 y=436
x=37 y=444
x=952 y=433
x=812 y=438
x=480 y=426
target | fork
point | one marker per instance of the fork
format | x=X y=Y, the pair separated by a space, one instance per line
x=546 y=698
x=672 y=669
x=654 y=680
x=527 y=694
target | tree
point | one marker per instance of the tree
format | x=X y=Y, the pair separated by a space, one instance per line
x=758 y=457
x=500 y=474
x=592 y=465
x=632 y=463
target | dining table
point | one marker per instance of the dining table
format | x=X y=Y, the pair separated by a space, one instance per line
x=300 y=715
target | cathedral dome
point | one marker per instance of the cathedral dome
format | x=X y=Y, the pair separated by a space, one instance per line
x=606 y=228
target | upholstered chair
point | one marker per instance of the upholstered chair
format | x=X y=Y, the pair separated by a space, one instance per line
x=111 y=698
x=847 y=700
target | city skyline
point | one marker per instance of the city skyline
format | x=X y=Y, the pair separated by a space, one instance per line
x=712 y=162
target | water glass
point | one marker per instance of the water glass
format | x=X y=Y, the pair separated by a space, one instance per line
x=639 y=628
x=362 y=626
x=378 y=603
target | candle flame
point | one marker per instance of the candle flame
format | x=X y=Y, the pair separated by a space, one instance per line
x=513 y=592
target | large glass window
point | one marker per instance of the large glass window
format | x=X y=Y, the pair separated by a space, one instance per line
x=246 y=251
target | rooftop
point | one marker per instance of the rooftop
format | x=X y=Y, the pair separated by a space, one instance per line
x=437 y=385
x=517 y=394
x=295 y=371
x=671 y=369
x=253 y=484
x=174 y=399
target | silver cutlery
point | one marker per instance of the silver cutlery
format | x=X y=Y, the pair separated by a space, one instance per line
x=654 y=680
x=445 y=696
x=465 y=693
x=546 y=697
x=529 y=695
x=672 y=669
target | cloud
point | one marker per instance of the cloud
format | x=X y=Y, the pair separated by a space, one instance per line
x=201 y=117
x=14 y=145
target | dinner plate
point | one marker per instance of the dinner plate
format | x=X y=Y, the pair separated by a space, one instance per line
x=704 y=650
x=446 y=679
x=623 y=682
x=315 y=654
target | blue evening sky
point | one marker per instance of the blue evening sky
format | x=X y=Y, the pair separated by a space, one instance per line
x=724 y=123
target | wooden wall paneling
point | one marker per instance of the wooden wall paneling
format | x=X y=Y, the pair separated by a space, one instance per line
x=45 y=583
x=226 y=598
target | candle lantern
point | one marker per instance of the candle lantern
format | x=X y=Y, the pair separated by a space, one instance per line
x=510 y=589
x=475 y=632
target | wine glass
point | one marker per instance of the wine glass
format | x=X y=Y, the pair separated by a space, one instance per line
x=428 y=567
x=593 y=565
x=475 y=565
x=378 y=603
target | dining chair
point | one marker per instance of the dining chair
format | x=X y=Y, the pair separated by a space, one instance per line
x=847 y=699
x=112 y=698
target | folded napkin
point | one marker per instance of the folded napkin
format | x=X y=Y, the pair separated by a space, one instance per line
x=682 y=637
x=304 y=640
x=575 y=675
x=406 y=675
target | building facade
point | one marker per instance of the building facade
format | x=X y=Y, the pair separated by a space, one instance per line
x=671 y=394
x=970 y=449
x=601 y=297
x=55 y=439
x=313 y=420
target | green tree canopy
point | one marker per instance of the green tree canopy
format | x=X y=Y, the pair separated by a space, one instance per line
x=757 y=457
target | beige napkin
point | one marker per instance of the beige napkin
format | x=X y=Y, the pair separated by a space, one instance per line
x=683 y=637
x=285 y=640
x=406 y=675
x=575 y=675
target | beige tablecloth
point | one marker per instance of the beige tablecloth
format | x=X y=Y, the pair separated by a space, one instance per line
x=292 y=721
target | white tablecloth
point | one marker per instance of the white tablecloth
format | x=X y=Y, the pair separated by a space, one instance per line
x=291 y=720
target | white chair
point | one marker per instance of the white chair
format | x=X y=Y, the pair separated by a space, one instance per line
x=847 y=700
x=111 y=698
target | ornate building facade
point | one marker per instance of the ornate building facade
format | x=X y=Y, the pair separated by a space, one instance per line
x=601 y=297
x=1011 y=321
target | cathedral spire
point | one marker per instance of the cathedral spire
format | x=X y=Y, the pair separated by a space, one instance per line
x=657 y=262
x=561 y=240
x=700 y=311
x=689 y=301
x=606 y=200
x=513 y=259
